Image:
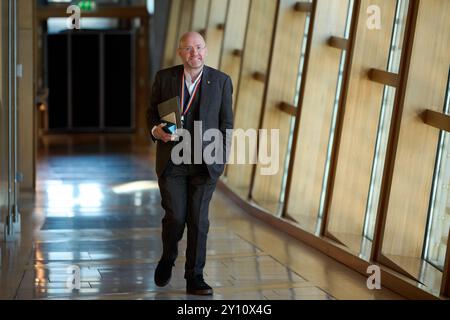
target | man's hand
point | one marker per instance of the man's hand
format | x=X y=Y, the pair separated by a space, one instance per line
x=160 y=134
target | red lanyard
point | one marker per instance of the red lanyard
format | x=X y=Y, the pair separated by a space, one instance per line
x=185 y=110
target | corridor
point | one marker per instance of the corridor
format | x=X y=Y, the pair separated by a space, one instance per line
x=97 y=210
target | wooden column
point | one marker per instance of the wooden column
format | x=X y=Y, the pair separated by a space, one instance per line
x=214 y=31
x=248 y=103
x=200 y=15
x=361 y=115
x=184 y=25
x=236 y=23
x=172 y=33
x=282 y=86
x=412 y=146
x=310 y=151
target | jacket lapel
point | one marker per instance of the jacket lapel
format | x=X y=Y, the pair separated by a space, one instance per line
x=205 y=90
x=206 y=83
x=176 y=82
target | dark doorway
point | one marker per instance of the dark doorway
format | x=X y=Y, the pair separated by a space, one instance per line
x=91 y=81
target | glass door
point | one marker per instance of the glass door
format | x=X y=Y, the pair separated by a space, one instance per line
x=9 y=213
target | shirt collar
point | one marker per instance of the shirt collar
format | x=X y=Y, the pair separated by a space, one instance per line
x=188 y=78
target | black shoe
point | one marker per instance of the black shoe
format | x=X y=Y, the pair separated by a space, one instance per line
x=198 y=286
x=163 y=273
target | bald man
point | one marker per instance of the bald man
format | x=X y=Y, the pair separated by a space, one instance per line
x=186 y=188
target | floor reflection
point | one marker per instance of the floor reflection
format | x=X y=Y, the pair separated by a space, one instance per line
x=99 y=208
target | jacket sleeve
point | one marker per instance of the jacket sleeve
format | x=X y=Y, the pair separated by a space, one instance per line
x=226 y=117
x=153 y=118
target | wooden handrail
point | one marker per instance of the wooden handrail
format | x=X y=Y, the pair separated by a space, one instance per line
x=303 y=6
x=259 y=76
x=435 y=119
x=237 y=52
x=384 y=77
x=288 y=108
x=338 y=43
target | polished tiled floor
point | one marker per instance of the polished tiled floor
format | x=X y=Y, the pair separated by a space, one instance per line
x=97 y=208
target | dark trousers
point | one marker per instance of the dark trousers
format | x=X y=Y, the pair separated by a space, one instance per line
x=186 y=191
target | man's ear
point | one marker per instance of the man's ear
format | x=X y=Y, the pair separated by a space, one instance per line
x=180 y=55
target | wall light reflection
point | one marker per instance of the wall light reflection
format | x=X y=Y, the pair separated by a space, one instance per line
x=60 y=196
x=63 y=198
x=135 y=187
x=138 y=199
x=90 y=195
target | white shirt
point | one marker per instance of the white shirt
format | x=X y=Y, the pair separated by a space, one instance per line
x=189 y=84
x=188 y=80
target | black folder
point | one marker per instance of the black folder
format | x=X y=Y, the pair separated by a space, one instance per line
x=169 y=112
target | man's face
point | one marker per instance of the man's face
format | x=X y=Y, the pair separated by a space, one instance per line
x=193 y=51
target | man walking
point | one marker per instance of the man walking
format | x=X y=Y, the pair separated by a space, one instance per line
x=186 y=188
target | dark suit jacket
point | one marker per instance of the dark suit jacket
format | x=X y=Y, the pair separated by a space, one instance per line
x=215 y=110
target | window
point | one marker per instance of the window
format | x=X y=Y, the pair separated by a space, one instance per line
x=301 y=66
x=439 y=210
x=385 y=119
x=334 y=117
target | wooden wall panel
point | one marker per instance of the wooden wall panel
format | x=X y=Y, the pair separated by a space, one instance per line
x=200 y=15
x=3 y=126
x=214 y=31
x=282 y=87
x=235 y=28
x=403 y=220
x=2 y=48
x=185 y=20
x=248 y=103
x=172 y=33
x=316 y=114
x=26 y=95
x=360 y=126
x=416 y=150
